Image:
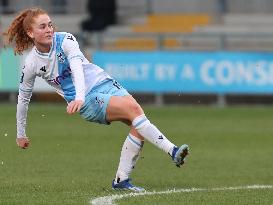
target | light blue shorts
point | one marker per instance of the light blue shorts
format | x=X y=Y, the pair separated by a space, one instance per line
x=96 y=101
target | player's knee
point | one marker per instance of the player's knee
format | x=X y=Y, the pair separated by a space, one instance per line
x=135 y=109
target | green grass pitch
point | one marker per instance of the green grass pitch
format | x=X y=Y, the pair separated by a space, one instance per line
x=71 y=161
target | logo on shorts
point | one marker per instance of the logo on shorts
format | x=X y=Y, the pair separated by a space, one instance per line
x=99 y=101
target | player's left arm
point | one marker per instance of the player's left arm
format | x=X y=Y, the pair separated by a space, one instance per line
x=75 y=58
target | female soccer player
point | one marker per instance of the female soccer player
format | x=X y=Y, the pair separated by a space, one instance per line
x=87 y=88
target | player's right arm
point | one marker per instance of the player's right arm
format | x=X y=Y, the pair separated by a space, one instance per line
x=25 y=92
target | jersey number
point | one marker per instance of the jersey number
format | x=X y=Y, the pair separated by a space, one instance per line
x=22 y=77
x=70 y=38
x=116 y=84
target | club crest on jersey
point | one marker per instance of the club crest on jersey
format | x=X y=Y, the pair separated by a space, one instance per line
x=65 y=74
x=61 y=59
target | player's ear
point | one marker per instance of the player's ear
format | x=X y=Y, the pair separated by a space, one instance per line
x=30 y=33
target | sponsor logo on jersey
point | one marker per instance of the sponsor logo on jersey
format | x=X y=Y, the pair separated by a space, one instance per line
x=43 y=69
x=65 y=74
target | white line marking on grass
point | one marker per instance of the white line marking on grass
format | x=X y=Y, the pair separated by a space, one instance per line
x=110 y=200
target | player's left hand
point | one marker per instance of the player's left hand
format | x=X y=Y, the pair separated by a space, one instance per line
x=74 y=106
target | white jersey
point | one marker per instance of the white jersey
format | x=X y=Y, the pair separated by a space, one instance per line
x=65 y=68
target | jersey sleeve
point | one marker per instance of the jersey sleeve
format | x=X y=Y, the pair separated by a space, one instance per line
x=25 y=91
x=75 y=58
x=71 y=47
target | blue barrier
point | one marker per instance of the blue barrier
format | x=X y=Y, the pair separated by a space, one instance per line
x=190 y=72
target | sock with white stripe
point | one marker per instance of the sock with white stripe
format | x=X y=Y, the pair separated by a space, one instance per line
x=152 y=134
x=129 y=155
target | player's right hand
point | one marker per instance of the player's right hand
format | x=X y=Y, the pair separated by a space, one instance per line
x=22 y=142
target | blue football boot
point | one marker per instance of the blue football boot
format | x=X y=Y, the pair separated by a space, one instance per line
x=179 y=154
x=126 y=185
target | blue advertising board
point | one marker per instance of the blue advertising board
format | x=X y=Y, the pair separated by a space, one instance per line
x=190 y=72
x=9 y=66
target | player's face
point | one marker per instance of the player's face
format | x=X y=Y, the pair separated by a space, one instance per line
x=42 y=32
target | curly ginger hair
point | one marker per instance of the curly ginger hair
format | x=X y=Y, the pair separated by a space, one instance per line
x=17 y=31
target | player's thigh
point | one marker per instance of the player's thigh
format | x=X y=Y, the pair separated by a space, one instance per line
x=123 y=108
